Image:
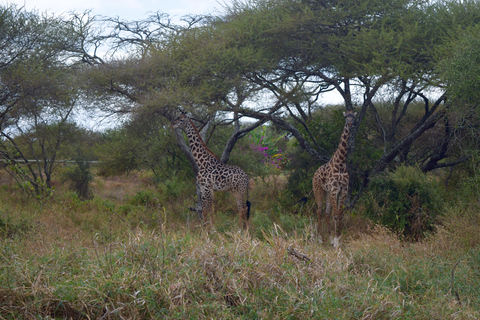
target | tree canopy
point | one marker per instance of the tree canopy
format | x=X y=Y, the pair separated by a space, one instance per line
x=401 y=65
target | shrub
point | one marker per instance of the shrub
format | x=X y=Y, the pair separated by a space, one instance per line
x=144 y=198
x=406 y=201
x=79 y=178
x=10 y=229
x=174 y=187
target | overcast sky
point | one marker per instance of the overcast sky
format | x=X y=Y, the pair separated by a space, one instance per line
x=133 y=10
x=125 y=9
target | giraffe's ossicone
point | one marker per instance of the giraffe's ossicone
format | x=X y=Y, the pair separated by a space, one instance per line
x=330 y=182
x=214 y=175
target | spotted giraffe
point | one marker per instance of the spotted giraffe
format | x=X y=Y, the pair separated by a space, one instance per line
x=214 y=175
x=330 y=182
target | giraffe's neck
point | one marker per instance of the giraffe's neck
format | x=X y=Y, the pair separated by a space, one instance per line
x=340 y=155
x=202 y=155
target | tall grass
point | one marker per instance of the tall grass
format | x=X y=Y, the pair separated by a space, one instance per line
x=75 y=259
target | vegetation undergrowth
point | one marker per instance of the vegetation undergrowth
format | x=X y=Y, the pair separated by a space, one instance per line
x=405 y=200
x=90 y=259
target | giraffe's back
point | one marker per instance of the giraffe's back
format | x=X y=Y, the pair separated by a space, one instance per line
x=225 y=177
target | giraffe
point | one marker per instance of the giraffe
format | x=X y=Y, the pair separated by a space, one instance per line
x=330 y=181
x=214 y=175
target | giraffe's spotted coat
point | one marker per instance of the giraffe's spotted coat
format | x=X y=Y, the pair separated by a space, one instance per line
x=330 y=181
x=213 y=175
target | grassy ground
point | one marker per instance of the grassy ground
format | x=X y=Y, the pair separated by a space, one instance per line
x=136 y=252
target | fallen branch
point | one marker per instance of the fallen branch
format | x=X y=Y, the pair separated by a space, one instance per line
x=298 y=255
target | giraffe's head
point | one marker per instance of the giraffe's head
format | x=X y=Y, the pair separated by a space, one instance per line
x=349 y=117
x=181 y=122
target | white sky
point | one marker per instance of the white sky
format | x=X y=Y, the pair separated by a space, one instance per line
x=133 y=10
x=125 y=9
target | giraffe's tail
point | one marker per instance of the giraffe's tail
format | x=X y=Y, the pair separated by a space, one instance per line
x=248 y=209
x=304 y=200
x=249 y=204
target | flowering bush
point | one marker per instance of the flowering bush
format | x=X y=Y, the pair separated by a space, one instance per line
x=265 y=144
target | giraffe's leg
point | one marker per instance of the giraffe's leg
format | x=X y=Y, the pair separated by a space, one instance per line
x=319 y=194
x=242 y=207
x=199 y=208
x=328 y=212
x=207 y=205
x=341 y=202
x=334 y=211
x=242 y=212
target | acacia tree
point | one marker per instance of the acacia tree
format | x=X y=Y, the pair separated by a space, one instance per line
x=364 y=51
x=37 y=94
x=459 y=68
x=169 y=70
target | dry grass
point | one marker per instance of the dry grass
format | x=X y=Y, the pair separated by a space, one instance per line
x=88 y=260
x=120 y=187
